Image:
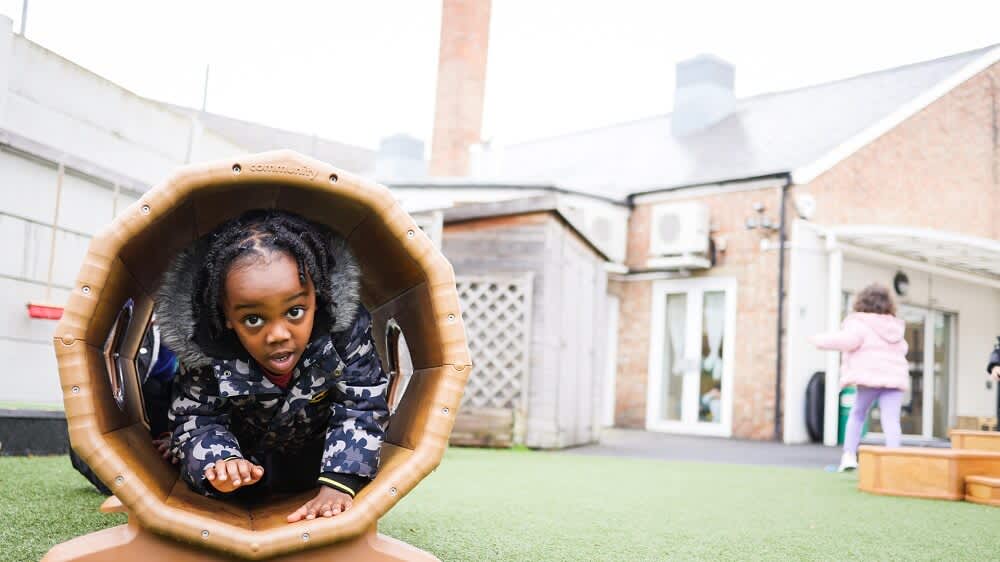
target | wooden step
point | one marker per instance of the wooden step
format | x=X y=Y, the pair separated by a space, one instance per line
x=923 y=472
x=982 y=489
x=978 y=440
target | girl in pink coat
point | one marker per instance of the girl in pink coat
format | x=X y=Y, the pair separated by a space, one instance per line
x=872 y=341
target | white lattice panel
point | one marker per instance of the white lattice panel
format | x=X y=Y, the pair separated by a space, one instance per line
x=497 y=314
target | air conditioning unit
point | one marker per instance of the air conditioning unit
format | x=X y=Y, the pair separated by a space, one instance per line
x=679 y=237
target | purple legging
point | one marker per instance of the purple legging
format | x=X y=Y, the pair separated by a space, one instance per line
x=890 y=402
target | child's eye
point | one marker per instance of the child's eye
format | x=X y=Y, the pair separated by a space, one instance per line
x=296 y=313
x=253 y=321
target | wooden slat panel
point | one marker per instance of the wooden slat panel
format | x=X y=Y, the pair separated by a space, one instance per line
x=484 y=427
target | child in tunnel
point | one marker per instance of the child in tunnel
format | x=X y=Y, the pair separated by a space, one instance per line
x=280 y=387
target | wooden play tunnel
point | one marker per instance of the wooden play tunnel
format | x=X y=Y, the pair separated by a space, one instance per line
x=407 y=284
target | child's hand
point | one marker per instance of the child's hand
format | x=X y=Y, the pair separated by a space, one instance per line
x=162 y=444
x=226 y=476
x=328 y=502
x=995 y=373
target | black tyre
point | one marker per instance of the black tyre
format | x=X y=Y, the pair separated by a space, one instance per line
x=815 y=405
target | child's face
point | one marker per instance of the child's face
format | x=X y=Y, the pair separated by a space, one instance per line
x=270 y=311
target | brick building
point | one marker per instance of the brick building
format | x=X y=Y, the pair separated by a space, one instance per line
x=891 y=176
x=706 y=213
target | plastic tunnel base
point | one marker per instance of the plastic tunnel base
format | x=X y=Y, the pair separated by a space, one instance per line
x=132 y=542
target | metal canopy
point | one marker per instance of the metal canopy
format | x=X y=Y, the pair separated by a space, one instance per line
x=968 y=254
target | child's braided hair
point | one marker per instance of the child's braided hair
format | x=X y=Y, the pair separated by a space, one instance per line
x=259 y=232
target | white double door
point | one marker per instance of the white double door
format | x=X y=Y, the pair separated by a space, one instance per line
x=691 y=356
x=926 y=404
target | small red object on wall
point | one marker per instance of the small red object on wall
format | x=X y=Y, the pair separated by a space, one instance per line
x=45 y=311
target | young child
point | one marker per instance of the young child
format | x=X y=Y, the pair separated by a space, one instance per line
x=993 y=365
x=872 y=340
x=280 y=387
x=993 y=369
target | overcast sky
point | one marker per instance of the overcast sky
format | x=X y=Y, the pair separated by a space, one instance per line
x=361 y=70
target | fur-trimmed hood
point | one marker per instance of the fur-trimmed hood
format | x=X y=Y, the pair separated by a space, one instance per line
x=175 y=305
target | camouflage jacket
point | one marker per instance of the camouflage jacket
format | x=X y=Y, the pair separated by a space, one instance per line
x=224 y=407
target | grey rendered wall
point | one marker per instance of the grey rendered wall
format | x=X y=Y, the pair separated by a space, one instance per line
x=27 y=207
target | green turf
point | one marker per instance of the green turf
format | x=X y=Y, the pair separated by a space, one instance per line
x=488 y=505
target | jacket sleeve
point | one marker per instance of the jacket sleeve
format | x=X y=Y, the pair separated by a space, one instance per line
x=845 y=339
x=994 y=359
x=199 y=417
x=359 y=411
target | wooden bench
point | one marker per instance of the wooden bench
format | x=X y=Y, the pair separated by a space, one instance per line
x=982 y=489
x=978 y=440
x=923 y=472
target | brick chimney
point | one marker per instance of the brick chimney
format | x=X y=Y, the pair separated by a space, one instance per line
x=458 y=111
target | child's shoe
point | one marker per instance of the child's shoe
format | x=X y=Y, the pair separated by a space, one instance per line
x=848 y=461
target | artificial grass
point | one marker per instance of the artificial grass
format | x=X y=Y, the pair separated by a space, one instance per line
x=508 y=505
x=43 y=502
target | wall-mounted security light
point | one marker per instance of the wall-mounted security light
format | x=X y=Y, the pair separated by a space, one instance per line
x=760 y=221
x=805 y=206
x=901 y=283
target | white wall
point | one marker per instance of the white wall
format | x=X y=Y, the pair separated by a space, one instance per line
x=610 y=361
x=57 y=103
x=52 y=110
x=27 y=206
x=6 y=59
x=807 y=315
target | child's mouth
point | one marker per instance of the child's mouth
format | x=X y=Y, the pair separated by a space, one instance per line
x=281 y=362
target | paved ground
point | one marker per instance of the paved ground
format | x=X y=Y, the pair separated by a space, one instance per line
x=650 y=445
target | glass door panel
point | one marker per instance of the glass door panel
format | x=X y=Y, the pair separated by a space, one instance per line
x=912 y=416
x=710 y=376
x=674 y=362
x=926 y=405
x=943 y=326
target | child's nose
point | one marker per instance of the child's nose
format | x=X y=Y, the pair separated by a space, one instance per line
x=278 y=333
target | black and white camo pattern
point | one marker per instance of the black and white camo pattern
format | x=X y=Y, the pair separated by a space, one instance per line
x=337 y=393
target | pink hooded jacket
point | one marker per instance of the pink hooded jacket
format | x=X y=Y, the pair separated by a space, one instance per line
x=874 y=350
